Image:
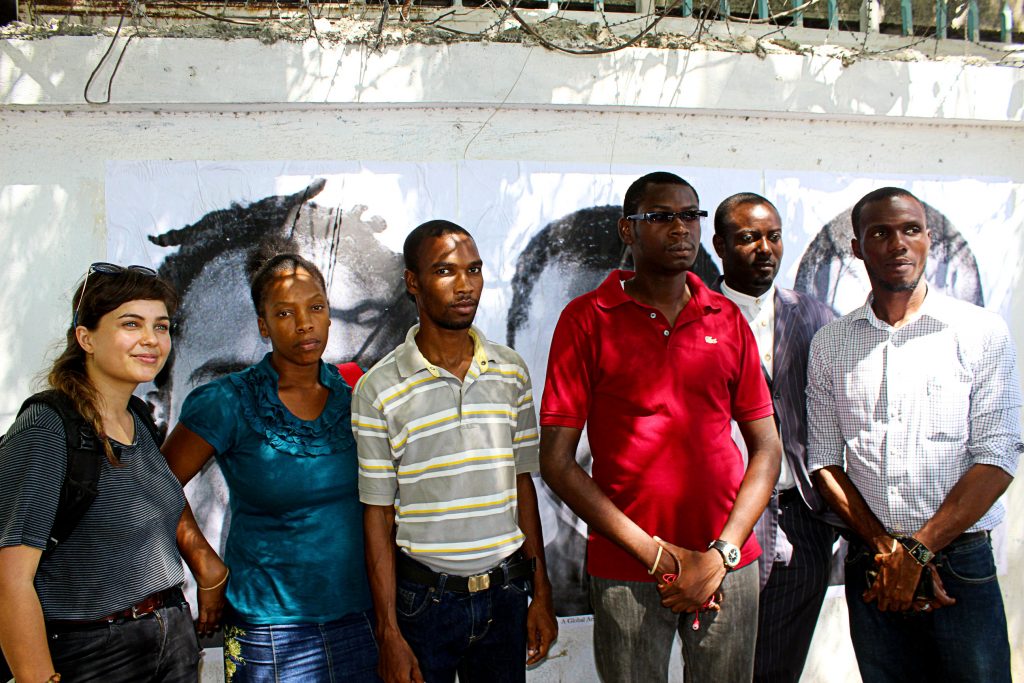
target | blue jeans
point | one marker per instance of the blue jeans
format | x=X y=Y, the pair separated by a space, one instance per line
x=161 y=646
x=633 y=633
x=339 y=651
x=481 y=636
x=965 y=642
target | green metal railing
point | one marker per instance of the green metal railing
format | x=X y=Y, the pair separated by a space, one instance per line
x=905 y=17
x=973 y=20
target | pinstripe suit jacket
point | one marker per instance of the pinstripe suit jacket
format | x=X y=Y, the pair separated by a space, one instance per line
x=797 y=318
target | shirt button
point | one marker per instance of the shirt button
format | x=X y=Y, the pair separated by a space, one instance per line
x=653 y=316
x=764 y=323
x=767 y=356
x=667 y=333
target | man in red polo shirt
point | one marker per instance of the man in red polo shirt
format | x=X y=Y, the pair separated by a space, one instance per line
x=656 y=366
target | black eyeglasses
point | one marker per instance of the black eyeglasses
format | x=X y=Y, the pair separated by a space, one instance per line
x=657 y=217
x=104 y=268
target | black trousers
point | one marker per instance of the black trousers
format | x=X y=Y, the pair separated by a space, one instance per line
x=791 y=600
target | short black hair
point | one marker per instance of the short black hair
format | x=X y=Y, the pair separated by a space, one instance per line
x=414 y=241
x=631 y=202
x=878 y=195
x=264 y=270
x=723 y=214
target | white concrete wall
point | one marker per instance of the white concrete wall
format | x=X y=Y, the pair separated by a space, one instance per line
x=188 y=99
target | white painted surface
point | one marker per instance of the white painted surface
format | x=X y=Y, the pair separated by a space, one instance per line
x=234 y=100
x=163 y=71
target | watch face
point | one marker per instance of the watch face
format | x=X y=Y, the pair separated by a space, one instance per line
x=917 y=550
x=730 y=553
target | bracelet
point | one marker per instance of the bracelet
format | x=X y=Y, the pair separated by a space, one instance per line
x=55 y=678
x=657 y=560
x=216 y=585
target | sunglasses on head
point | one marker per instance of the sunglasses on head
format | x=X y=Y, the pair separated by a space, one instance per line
x=688 y=216
x=104 y=268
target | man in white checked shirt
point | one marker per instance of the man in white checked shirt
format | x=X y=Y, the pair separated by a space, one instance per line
x=913 y=405
x=447 y=439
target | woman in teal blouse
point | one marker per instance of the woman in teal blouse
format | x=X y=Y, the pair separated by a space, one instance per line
x=298 y=604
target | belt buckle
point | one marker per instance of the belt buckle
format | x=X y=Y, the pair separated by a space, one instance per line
x=144 y=608
x=480 y=582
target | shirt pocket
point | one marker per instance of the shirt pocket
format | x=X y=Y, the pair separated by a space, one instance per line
x=948 y=409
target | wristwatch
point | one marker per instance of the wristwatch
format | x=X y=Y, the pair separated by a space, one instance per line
x=917 y=550
x=730 y=553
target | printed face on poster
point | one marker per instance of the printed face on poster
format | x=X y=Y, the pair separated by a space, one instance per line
x=546 y=232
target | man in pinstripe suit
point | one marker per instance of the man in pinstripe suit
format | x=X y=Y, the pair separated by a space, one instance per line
x=796 y=544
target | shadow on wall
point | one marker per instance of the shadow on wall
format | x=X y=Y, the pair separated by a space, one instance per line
x=35 y=298
x=831 y=273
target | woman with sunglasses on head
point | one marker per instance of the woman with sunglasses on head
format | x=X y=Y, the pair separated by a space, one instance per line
x=298 y=599
x=105 y=604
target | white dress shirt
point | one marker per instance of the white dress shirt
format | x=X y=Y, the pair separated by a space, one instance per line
x=907 y=411
x=760 y=313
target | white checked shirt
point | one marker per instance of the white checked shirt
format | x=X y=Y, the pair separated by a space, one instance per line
x=913 y=408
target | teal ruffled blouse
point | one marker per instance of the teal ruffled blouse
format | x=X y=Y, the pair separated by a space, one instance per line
x=295 y=546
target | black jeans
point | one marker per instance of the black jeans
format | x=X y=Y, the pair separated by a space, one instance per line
x=161 y=646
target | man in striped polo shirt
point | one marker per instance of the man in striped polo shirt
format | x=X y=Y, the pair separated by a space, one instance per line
x=447 y=439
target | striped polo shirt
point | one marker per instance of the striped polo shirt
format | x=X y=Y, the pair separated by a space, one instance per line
x=446 y=453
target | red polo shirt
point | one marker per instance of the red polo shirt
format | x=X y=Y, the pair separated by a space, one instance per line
x=657 y=401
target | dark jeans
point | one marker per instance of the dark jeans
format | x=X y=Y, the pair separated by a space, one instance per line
x=340 y=651
x=161 y=646
x=965 y=642
x=481 y=636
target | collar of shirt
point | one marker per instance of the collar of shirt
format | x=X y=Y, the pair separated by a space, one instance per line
x=612 y=292
x=754 y=308
x=411 y=360
x=933 y=306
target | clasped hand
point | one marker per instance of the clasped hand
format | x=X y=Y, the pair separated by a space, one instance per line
x=897 y=579
x=699 y=578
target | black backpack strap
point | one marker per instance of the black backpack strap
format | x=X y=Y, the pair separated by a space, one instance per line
x=141 y=408
x=82 y=475
x=84 y=459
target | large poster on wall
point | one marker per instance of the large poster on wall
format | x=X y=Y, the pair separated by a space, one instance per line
x=546 y=232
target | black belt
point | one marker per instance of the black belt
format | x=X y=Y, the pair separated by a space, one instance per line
x=148 y=605
x=964 y=539
x=514 y=567
x=790 y=495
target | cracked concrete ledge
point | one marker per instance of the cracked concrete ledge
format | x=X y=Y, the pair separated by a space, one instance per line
x=206 y=72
